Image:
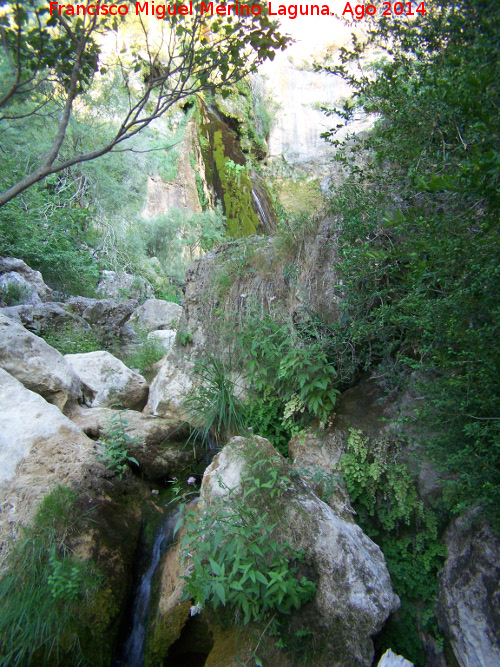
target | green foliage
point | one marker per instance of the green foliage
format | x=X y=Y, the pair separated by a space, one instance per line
x=55 y=249
x=174 y=239
x=264 y=415
x=420 y=242
x=183 y=336
x=295 y=362
x=46 y=590
x=235 y=560
x=212 y=405
x=73 y=339
x=116 y=443
x=146 y=352
x=14 y=294
x=384 y=495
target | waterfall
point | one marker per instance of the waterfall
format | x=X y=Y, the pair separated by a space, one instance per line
x=133 y=650
x=260 y=211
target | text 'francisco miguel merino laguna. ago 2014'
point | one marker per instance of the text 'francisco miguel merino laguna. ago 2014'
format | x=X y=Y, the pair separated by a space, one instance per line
x=162 y=11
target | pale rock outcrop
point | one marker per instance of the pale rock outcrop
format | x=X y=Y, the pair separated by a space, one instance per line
x=354 y=594
x=316 y=450
x=170 y=386
x=38 y=366
x=391 y=659
x=39 y=448
x=165 y=337
x=468 y=607
x=110 y=380
x=16 y=271
x=157 y=314
x=109 y=314
x=39 y=317
x=157 y=444
x=114 y=285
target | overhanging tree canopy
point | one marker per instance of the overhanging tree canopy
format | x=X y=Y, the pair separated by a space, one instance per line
x=49 y=63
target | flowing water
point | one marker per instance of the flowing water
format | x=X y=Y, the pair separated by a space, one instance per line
x=133 y=650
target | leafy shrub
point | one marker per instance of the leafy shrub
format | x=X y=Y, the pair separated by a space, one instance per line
x=14 y=294
x=116 y=443
x=146 y=352
x=73 y=339
x=384 y=495
x=295 y=363
x=46 y=590
x=419 y=241
x=234 y=559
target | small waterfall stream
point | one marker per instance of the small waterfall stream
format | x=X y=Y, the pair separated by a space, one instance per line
x=261 y=212
x=133 y=649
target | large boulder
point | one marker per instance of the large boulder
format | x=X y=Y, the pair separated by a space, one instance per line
x=170 y=386
x=157 y=314
x=468 y=608
x=41 y=316
x=110 y=314
x=354 y=595
x=111 y=381
x=38 y=366
x=116 y=285
x=39 y=448
x=18 y=273
x=159 y=445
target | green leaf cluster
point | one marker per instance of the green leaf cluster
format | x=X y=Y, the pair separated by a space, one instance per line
x=46 y=590
x=233 y=558
x=295 y=363
x=116 y=443
x=384 y=495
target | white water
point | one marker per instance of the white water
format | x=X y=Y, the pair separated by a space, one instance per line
x=133 y=650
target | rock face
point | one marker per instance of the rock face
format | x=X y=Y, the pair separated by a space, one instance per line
x=110 y=380
x=390 y=659
x=165 y=338
x=315 y=450
x=230 y=278
x=468 y=607
x=118 y=285
x=157 y=444
x=169 y=387
x=16 y=272
x=38 y=366
x=110 y=314
x=157 y=314
x=354 y=594
x=39 y=448
x=40 y=316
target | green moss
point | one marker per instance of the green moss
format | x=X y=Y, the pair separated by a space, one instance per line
x=241 y=218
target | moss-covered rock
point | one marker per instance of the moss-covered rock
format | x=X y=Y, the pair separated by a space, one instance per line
x=226 y=172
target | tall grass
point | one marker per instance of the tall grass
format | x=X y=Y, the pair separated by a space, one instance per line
x=45 y=588
x=213 y=406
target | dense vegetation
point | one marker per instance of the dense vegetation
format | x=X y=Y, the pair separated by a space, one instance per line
x=419 y=241
x=418 y=245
